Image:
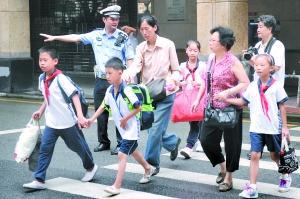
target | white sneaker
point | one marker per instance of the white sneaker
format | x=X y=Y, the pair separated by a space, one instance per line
x=146 y=177
x=35 y=185
x=186 y=152
x=249 y=192
x=112 y=190
x=89 y=175
x=198 y=146
x=285 y=181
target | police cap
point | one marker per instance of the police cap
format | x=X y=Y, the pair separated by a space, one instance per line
x=111 y=11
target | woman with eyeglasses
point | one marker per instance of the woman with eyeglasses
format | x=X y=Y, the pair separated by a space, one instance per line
x=227 y=79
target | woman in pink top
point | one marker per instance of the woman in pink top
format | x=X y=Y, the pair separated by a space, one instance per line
x=156 y=58
x=228 y=78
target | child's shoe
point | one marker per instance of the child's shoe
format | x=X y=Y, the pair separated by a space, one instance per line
x=249 y=192
x=186 y=152
x=112 y=190
x=35 y=185
x=285 y=181
x=147 y=176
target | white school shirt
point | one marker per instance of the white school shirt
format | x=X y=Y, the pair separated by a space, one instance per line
x=259 y=121
x=59 y=114
x=186 y=74
x=119 y=109
x=278 y=52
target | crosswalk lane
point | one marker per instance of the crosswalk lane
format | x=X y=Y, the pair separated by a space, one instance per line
x=95 y=190
x=201 y=178
x=243 y=162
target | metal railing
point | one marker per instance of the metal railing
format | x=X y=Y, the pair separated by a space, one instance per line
x=294 y=76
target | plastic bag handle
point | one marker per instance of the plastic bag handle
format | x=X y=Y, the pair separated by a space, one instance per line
x=34 y=122
x=284 y=144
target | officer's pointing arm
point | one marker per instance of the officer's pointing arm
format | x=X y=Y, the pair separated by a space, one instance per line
x=64 y=38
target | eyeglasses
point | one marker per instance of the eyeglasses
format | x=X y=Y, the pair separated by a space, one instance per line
x=213 y=40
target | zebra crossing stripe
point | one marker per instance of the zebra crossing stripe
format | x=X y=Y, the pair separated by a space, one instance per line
x=95 y=190
x=295 y=138
x=246 y=147
x=269 y=165
x=201 y=178
x=14 y=131
x=295 y=128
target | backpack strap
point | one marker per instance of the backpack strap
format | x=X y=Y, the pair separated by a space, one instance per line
x=67 y=100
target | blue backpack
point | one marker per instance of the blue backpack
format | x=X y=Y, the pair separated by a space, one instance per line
x=146 y=115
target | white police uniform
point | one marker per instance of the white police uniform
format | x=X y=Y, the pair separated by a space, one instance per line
x=107 y=46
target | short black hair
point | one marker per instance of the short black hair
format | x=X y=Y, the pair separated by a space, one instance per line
x=226 y=36
x=50 y=50
x=268 y=20
x=115 y=63
x=150 y=20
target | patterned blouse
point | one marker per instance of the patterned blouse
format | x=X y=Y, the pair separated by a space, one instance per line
x=223 y=77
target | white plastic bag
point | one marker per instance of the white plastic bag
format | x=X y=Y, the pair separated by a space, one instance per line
x=27 y=141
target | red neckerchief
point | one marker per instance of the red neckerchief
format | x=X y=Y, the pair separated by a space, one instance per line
x=262 y=89
x=192 y=71
x=47 y=81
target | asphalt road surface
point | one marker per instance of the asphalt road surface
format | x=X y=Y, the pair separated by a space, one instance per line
x=193 y=178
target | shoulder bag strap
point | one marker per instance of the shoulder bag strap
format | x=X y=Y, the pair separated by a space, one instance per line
x=269 y=45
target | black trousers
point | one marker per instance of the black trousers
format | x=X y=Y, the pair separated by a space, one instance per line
x=101 y=86
x=211 y=137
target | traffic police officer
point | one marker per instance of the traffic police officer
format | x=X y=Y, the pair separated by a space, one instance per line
x=106 y=43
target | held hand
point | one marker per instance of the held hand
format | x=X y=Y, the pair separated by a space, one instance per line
x=171 y=87
x=36 y=115
x=222 y=96
x=89 y=123
x=83 y=122
x=48 y=37
x=195 y=106
x=123 y=123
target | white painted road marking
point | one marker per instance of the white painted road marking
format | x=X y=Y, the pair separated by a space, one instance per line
x=270 y=165
x=95 y=190
x=14 y=131
x=264 y=188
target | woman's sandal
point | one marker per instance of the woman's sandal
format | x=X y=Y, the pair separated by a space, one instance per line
x=223 y=187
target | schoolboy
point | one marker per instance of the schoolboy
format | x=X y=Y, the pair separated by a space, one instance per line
x=265 y=98
x=60 y=119
x=126 y=121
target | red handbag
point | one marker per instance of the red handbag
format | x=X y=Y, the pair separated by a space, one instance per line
x=182 y=107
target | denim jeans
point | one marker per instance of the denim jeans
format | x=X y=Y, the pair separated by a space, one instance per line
x=157 y=135
x=193 y=136
x=99 y=93
x=74 y=139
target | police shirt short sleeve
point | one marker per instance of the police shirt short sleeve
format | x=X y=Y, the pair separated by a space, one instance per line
x=87 y=38
x=129 y=51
